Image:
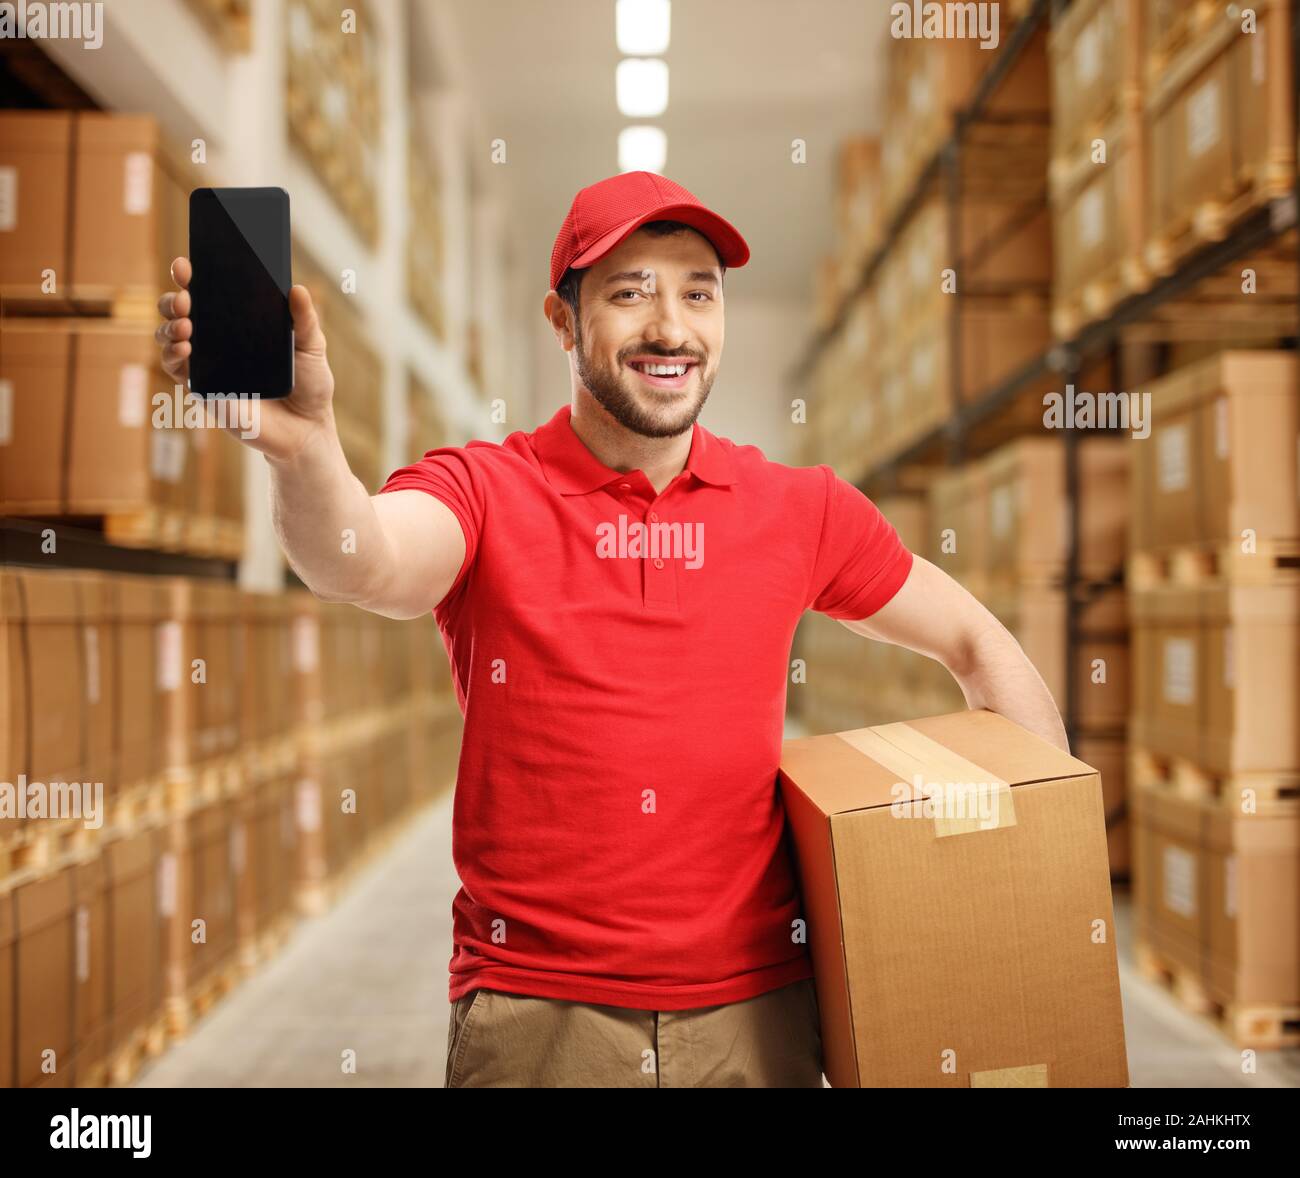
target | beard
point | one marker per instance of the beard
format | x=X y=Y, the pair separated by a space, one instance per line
x=648 y=420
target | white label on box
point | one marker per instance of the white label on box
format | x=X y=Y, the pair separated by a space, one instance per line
x=137 y=187
x=918 y=93
x=238 y=849
x=1258 y=57
x=1229 y=659
x=1087 y=53
x=1173 y=464
x=132 y=392
x=6 y=411
x=167 y=884
x=1180 y=881
x=306 y=645
x=8 y=199
x=1180 y=671
x=308 y=805
x=83 y=943
x=923 y=366
x=167 y=455
x=1221 y=428
x=1230 y=887
x=92 y=664
x=1001 y=510
x=178 y=450
x=169 y=655
x=158 y=453
x=1203 y=118
x=1092 y=217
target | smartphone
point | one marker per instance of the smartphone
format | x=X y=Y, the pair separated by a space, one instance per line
x=242 y=343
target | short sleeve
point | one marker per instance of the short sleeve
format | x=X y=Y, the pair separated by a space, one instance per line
x=861 y=562
x=450 y=477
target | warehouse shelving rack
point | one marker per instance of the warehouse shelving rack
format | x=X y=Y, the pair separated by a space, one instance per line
x=951 y=442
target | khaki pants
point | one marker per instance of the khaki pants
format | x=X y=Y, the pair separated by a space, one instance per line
x=500 y=1040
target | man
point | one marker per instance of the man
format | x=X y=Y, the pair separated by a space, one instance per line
x=617 y=591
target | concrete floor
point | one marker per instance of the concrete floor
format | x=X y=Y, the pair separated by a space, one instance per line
x=370 y=977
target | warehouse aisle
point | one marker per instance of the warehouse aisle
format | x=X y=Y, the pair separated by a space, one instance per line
x=370 y=976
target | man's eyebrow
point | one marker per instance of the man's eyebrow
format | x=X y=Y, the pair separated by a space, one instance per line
x=640 y=275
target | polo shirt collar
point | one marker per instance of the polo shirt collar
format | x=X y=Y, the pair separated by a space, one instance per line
x=572 y=469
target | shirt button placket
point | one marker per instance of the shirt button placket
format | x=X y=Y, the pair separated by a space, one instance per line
x=660 y=574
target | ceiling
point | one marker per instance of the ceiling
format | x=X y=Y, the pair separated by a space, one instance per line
x=747 y=77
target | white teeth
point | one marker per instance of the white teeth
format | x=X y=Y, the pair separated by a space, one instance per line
x=662 y=369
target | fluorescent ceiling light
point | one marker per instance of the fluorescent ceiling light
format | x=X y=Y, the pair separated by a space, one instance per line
x=641 y=27
x=642 y=87
x=642 y=149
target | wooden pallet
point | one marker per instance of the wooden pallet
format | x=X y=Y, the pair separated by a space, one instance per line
x=1098 y=297
x=191 y=787
x=209 y=536
x=136 y=304
x=183 y=1013
x=145 y=1043
x=1262 y=1026
x=1208 y=222
x=1269 y=789
x=1272 y=562
x=44 y=847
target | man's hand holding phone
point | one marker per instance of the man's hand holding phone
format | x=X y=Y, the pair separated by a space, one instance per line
x=286 y=425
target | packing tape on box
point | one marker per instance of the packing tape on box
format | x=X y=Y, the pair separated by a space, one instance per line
x=968 y=799
x=1032 y=1075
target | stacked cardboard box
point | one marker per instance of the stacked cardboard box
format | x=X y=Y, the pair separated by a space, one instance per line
x=332 y=99
x=425 y=254
x=1217 y=86
x=97 y=211
x=1099 y=160
x=847 y=680
x=1215 y=745
x=1000 y=527
x=425 y=428
x=189 y=701
x=358 y=370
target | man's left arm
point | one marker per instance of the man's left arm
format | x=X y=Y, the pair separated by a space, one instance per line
x=935 y=616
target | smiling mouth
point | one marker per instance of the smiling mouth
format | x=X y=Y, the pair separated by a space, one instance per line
x=663 y=374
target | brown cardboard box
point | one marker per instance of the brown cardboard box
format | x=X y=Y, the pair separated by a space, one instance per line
x=947 y=954
x=1222 y=454
x=45 y=979
x=35 y=366
x=8 y=974
x=143 y=634
x=14 y=751
x=35 y=156
x=135 y=968
x=1168 y=689
x=215 y=634
x=90 y=967
x=1108 y=754
x=1250 y=678
x=117 y=460
x=1168 y=873
x=98 y=609
x=131 y=207
x=55 y=678
x=1252 y=907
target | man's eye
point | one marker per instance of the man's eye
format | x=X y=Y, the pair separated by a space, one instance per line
x=628 y=291
x=704 y=293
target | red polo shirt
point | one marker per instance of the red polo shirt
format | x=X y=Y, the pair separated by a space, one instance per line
x=617 y=827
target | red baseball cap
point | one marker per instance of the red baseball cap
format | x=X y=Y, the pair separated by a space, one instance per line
x=603 y=214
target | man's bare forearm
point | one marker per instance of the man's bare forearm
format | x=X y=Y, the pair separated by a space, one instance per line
x=326 y=522
x=996 y=674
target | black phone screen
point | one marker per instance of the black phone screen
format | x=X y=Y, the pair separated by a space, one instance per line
x=242 y=344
